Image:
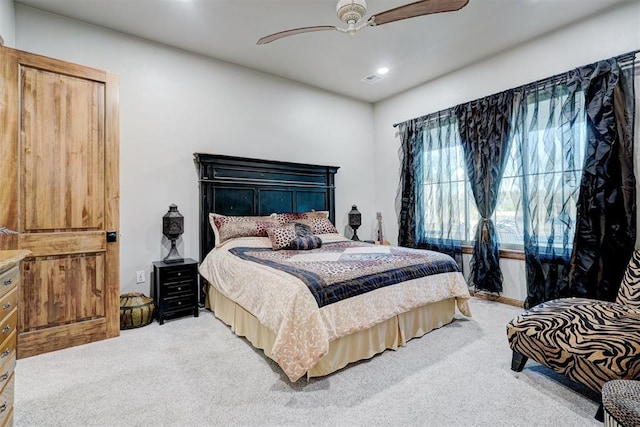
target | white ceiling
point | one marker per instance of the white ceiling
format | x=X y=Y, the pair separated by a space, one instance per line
x=416 y=50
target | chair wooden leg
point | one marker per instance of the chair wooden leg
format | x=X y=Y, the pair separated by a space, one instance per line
x=600 y=414
x=518 y=361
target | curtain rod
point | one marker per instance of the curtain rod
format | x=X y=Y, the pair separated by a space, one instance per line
x=626 y=59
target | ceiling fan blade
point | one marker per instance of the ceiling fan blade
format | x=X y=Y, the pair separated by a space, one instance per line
x=419 y=8
x=276 y=36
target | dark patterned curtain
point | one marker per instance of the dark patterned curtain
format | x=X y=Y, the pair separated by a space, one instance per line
x=548 y=133
x=574 y=133
x=577 y=200
x=484 y=133
x=410 y=135
x=606 y=211
x=431 y=197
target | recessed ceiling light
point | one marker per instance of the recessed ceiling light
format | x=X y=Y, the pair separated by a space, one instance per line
x=383 y=70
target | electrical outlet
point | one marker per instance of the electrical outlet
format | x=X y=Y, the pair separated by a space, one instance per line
x=140 y=276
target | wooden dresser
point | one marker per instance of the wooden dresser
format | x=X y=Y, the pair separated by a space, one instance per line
x=9 y=279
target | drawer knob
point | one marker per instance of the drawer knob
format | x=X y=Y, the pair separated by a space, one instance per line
x=7 y=305
x=179 y=288
x=6 y=329
x=8 y=282
x=4 y=377
x=5 y=353
x=179 y=302
x=3 y=408
x=179 y=274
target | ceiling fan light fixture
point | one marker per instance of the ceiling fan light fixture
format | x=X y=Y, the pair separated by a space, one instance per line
x=351 y=11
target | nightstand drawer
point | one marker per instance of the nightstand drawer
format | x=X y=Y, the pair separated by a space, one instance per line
x=179 y=274
x=9 y=280
x=179 y=303
x=177 y=289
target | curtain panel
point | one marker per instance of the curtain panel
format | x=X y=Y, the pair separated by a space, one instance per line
x=410 y=134
x=484 y=133
x=548 y=133
x=429 y=198
x=579 y=221
x=606 y=211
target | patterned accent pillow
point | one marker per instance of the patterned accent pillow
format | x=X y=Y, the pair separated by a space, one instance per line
x=302 y=229
x=305 y=243
x=229 y=227
x=281 y=237
x=285 y=218
x=318 y=225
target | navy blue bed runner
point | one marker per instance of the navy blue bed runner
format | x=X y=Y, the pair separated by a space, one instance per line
x=341 y=270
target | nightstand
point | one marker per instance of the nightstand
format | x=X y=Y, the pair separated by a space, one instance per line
x=175 y=289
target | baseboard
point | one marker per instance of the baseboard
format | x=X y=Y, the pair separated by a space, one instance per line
x=497 y=298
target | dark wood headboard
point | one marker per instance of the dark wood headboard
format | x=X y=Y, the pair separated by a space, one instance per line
x=244 y=186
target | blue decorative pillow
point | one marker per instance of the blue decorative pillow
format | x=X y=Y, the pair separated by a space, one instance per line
x=318 y=225
x=305 y=243
x=302 y=229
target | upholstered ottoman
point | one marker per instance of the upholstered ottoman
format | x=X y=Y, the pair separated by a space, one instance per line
x=136 y=310
x=621 y=402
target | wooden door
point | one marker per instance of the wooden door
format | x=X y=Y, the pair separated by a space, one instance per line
x=62 y=120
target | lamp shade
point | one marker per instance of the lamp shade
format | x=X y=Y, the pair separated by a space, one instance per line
x=172 y=228
x=355 y=220
x=172 y=223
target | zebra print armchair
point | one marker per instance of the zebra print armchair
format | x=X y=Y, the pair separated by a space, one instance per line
x=587 y=340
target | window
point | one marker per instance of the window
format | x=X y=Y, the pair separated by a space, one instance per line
x=539 y=186
x=447 y=206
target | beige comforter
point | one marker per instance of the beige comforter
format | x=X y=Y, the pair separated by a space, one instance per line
x=303 y=331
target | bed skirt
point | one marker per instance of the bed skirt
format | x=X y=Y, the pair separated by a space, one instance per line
x=360 y=345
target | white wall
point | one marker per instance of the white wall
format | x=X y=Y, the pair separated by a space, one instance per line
x=173 y=104
x=604 y=36
x=7 y=22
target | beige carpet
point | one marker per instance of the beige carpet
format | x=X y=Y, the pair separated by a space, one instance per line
x=195 y=372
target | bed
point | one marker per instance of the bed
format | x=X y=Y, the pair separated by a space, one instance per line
x=301 y=307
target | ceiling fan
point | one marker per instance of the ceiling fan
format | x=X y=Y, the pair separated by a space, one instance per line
x=351 y=12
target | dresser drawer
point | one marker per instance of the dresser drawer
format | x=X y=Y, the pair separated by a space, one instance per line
x=8 y=325
x=8 y=421
x=9 y=280
x=6 y=401
x=8 y=302
x=8 y=347
x=7 y=371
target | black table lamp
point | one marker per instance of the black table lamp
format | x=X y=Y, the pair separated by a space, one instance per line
x=355 y=219
x=172 y=228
